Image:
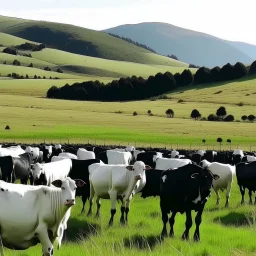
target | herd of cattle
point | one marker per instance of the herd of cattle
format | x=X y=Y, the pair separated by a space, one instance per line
x=39 y=212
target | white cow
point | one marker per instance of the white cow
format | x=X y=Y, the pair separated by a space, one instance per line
x=116 y=157
x=238 y=152
x=34 y=151
x=226 y=172
x=58 y=158
x=201 y=152
x=114 y=181
x=52 y=171
x=175 y=153
x=57 y=146
x=170 y=163
x=68 y=155
x=28 y=213
x=251 y=158
x=14 y=151
x=83 y=154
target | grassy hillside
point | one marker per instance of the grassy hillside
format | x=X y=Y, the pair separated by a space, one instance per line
x=82 y=41
x=189 y=46
x=9 y=40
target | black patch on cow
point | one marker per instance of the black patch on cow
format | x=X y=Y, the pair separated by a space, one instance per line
x=2 y=189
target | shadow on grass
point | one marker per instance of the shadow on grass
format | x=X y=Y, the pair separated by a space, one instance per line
x=142 y=242
x=78 y=229
x=235 y=219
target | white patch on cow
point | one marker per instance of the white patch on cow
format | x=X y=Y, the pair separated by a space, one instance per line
x=198 y=199
x=164 y=178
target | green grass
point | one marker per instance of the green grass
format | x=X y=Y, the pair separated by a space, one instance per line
x=62 y=35
x=223 y=231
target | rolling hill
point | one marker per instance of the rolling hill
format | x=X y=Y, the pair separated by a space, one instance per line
x=81 y=41
x=189 y=46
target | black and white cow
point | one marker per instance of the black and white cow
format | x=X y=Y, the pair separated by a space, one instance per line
x=183 y=190
x=246 y=178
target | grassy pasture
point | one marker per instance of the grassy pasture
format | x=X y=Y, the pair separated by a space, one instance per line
x=227 y=232
x=9 y=40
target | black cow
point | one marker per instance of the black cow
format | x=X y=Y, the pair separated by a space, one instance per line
x=246 y=178
x=196 y=158
x=6 y=168
x=80 y=171
x=152 y=187
x=147 y=158
x=22 y=168
x=210 y=156
x=183 y=190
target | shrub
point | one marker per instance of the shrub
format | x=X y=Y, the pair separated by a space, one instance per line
x=135 y=113
x=149 y=112
x=59 y=70
x=240 y=70
x=244 y=117
x=203 y=119
x=169 y=113
x=9 y=75
x=252 y=69
x=10 y=51
x=27 y=77
x=35 y=76
x=195 y=114
x=4 y=63
x=47 y=69
x=16 y=63
x=221 y=112
x=30 y=65
x=240 y=104
x=251 y=118
x=229 y=118
x=180 y=101
x=7 y=127
x=212 y=117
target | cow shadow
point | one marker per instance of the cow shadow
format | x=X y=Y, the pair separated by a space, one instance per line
x=235 y=219
x=80 y=230
x=142 y=242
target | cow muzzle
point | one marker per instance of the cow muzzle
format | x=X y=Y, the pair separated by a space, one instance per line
x=137 y=177
x=70 y=202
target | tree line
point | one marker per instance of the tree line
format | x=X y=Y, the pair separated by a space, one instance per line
x=138 y=88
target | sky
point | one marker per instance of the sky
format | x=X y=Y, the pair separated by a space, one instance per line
x=228 y=19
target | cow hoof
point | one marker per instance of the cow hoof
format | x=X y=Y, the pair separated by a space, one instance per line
x=171 y=234
x=164 y=234
x=97 y=216
x=122 y=222
x=89 y=214
x=184 y=236
x=250 y=203
x=196 y=238
x=226 y=205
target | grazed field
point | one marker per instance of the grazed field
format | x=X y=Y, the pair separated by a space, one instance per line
x=34 y=118
x=224 y=232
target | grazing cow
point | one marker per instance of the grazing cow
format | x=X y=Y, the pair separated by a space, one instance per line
x=183 y=190
x=68 y=155
x=22 y=168
x=29 y=215
x=45 y=174
x=210 y=156
x=251 y=158
x=116 y=181
x=6 y=168
x=11 y=151
x=115 y=157
x=83 y=154
x=237 y=156
x=47 y=152
x=246 y=178
x=34 y=151
x=149 y=157
x=196 y=158
x=226 y=172
x=170 y=163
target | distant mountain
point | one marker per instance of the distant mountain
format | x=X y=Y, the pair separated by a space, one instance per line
x=82 y=41
x=189 y=46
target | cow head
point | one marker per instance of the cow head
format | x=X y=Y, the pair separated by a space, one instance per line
x=204 y=180
x=139 y=169
x=68 y=189
x=36 y=170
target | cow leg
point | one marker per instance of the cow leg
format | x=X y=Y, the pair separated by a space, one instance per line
x=242 y=190
x=165 y=220
x=84 y=199
x=122 y=220
x=171 y=222
x=31 y=180
x=250 y=196
x=47 y=245
x=92 y=192
x=98 y=207
x=198 y=221
x=127 y=209
x=185 y=235
x=218 y=196
x=228 y=194
x=113 y=198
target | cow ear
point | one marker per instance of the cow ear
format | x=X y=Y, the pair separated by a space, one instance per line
x=79 y=183
x=194 y=176
x=215 y=176
x=129 y=167
x=147 y=167
x=57 y=183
